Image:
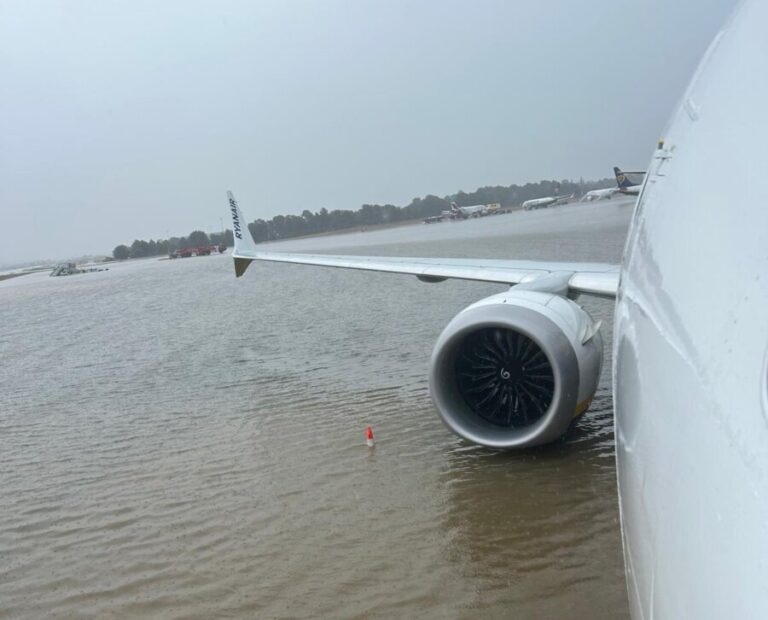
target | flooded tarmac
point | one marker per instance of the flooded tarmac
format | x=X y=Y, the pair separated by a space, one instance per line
x=175 y=443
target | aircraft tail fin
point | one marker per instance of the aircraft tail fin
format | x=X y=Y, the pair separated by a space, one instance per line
x=621 y=179
x=457 y=212
x=244 y=244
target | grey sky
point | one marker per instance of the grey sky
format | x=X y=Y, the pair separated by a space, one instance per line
x=124 y=120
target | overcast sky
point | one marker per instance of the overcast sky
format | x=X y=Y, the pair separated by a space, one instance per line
x=124 y=120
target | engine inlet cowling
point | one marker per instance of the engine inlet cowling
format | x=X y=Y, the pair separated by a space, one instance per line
x=513 y=370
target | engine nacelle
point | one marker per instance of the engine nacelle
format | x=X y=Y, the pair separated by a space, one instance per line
x=513 y=370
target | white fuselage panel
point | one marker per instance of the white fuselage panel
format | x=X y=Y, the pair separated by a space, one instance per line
x=690 y=349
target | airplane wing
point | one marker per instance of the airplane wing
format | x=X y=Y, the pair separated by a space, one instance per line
x=600 y=279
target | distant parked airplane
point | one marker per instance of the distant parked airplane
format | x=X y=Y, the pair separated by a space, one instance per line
x=548 y=201
x=464 y=212
x=599 y=194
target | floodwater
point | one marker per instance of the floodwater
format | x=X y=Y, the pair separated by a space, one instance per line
x=176 y=443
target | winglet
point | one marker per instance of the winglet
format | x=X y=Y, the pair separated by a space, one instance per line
x=244 y=244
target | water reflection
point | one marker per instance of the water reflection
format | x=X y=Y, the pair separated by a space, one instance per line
x=530 y=529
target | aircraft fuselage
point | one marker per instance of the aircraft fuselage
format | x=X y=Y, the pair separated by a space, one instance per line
x=690 y=350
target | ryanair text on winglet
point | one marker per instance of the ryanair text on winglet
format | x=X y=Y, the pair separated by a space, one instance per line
x=235 y=219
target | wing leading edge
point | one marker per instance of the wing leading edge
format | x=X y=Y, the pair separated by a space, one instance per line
x=600 y=279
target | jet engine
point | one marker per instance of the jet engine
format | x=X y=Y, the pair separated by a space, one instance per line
x=513 y=370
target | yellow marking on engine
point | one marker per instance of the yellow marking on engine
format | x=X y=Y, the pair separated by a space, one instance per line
x=582 y=407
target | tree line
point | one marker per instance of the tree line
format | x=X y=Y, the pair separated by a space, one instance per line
x=322 y=221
